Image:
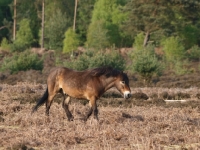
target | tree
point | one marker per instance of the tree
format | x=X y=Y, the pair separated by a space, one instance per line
x=27 y=9
x=97 y=35
x=65 y=7
x=15 y=18
x=5 y=19
x=75 y=11
x=84 y=14
x=157 y=19
x=149 y=17
x=187 y=21
x=42 y=28
x=24 y=36
x=70 y=42
x=108 y=13
x=55 y=28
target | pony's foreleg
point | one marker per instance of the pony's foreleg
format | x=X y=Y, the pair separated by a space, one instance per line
x=65 y=106
x=93 y=109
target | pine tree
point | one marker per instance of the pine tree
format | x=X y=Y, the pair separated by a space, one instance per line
x=24 y=36
x=27 y=9
x=70 y=42
x=157 y=19
x=97 y=36
x=149 y=17
x=84 y=14
x=55 y=29
x=108 y=13
x=5 y=19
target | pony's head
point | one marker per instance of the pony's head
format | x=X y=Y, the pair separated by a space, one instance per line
x=122 y=84
x=121 y=79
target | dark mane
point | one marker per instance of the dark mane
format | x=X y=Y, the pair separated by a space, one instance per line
x=107 y=71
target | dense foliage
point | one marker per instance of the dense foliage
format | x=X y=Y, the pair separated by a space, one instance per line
x=120 y=20
x=5 y=19
x=173 y=25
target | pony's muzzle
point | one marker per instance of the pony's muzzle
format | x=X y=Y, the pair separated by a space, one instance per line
x=127 y=94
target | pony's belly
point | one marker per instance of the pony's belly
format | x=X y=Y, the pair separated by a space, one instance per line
x=75 y=93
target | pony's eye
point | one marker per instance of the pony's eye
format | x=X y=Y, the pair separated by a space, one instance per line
x=123 y=82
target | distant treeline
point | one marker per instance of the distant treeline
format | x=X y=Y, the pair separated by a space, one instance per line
x=99 y=23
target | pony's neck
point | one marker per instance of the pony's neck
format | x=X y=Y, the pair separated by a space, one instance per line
x=109 y=83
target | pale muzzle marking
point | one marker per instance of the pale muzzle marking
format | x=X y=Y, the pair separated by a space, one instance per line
x=127 y=94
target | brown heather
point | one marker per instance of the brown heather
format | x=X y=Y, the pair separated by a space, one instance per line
x=135 y=124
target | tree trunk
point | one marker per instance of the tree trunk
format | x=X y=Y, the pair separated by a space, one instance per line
x=146 y=39
x=14 y=17
x=74 y=25
x=75 y=8
x=42 y=36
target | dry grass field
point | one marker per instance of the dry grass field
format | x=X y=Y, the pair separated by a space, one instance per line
x=135 y=124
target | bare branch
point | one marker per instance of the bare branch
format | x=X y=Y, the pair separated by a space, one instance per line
x=2 y=27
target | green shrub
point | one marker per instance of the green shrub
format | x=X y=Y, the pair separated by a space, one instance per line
x=173 y=48
x=194 y=53
x=22 y=61
x=80 y=63
x=4 y=44
x=138 y=43
x=190 y=35
x=181 y=67
x=93 y=59
x=17 y=47
x=113 y=59
x=146 y=64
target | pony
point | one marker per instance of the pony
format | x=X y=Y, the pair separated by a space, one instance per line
x=88 y=84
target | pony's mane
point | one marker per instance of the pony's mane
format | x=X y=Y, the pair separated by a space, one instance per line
x=106 y=71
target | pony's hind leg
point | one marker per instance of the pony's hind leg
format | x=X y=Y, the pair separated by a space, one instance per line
x=66 y=107
x=49 y=102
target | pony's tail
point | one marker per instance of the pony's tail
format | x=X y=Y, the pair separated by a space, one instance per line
x=41 y=101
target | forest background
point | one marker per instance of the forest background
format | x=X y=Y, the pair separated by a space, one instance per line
x=162 y=35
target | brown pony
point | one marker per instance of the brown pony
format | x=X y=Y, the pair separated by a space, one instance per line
x=88 y=84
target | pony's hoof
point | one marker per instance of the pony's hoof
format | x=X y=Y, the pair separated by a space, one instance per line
x=96 y=118
x=85 y=119
x=71 y=119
